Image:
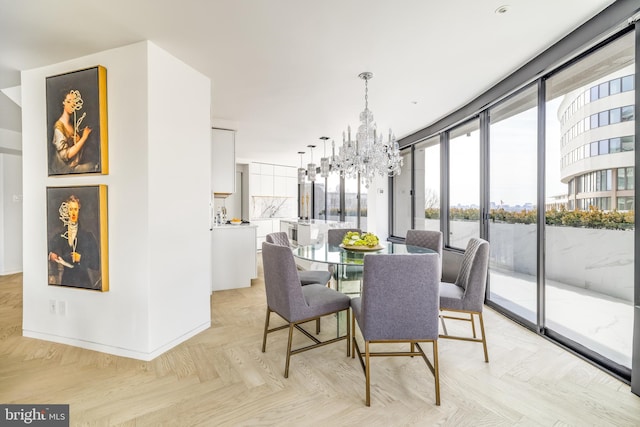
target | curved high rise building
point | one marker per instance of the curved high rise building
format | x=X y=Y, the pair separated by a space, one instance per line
x=597 y=143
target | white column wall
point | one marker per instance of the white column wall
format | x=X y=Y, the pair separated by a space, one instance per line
x=119 y=321
x=179 y=187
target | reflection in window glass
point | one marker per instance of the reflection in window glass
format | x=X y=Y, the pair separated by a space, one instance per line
x=628 y=113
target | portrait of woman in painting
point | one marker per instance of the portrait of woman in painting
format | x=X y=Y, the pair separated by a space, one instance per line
x=76 y=122
x=69 y=138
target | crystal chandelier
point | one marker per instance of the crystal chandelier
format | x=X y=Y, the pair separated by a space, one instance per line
x=368 y=155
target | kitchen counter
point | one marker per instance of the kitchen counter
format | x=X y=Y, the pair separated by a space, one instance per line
x=234 y=226
x=234 y=261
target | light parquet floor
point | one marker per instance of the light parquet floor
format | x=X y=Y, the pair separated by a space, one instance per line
x=221 y=378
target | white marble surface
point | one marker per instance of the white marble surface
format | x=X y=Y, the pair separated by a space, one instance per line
x=234 y=226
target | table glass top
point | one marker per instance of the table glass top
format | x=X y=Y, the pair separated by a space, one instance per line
x=331 y=254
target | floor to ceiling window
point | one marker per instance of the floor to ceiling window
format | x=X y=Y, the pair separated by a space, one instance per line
x=589 y=257
x=319 y=198
x=464 y=184
x=351 y=201
x=333 y=197
x=402 y=197
x=427 y=181
x=512 y=203
x=560 y=225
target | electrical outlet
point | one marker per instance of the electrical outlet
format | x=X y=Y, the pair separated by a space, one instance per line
x=62 y=308
x=52 y=306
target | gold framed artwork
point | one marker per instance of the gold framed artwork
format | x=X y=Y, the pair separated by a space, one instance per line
x=77 y=237
x=77 y=122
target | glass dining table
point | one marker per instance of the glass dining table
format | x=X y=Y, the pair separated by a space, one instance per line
x=347 y=265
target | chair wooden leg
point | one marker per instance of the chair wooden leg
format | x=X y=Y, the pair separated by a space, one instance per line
x=353 y=336
x=484 y=338
x=266 y=327
x=286 y=366
x=444 y=327
x=317 y=326
x=367 y=373
x=347 y=331
x=473 y=325
x=436 y=371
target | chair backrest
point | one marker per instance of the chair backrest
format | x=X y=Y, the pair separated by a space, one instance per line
x=400 y=296
x=426 y=239
x=451 y=262
x=278 y=238
x=472 y=276
x=281 y=281
x=335 y=235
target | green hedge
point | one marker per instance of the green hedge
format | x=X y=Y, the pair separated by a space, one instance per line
x=593 y=218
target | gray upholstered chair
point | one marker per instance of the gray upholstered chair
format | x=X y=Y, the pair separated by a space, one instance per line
x=466 y=295
x=426 y=239
x=307 y=277
x=294 y=303
x=399 y=303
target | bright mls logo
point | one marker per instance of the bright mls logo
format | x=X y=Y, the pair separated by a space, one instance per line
x=34 y=415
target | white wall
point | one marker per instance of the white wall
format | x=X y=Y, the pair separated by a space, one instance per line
x=10 y=214
x=179 y=188
x=10 y=202
x=157 y=218
x=378 y=207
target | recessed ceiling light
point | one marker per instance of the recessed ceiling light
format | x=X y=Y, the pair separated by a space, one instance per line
x=502 y=9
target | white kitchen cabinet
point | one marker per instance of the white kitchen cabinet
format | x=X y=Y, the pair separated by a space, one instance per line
x=264 y=227
x=223 y=161
x=280 y=186
x=234 y=256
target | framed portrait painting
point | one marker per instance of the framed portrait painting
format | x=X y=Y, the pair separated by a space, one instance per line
x=77 y=237
x=77 y=122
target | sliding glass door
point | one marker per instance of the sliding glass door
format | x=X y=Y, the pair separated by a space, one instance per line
x=512 y=203
x=589 y=233
x=464 y=184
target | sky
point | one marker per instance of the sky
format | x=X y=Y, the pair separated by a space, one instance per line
x=513 y=161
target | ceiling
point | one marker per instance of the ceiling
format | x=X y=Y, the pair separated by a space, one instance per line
x=284 y=72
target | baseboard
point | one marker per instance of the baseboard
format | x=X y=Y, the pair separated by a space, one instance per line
x=117 y=351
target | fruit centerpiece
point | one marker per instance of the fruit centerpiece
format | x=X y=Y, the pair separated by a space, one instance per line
x=360 y=241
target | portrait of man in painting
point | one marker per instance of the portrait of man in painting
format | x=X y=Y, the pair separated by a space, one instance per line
x=76 y=122
x=74 y=216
